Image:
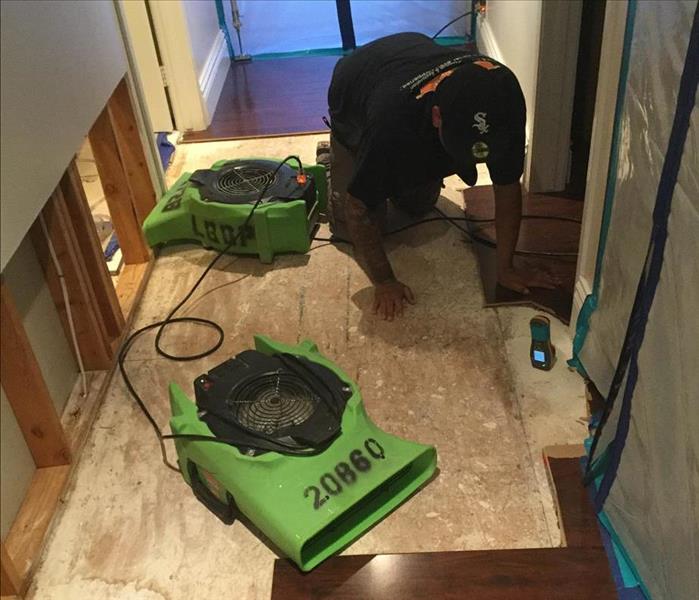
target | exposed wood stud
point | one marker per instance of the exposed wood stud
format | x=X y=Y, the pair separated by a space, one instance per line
x=117 y=190
x=26 y=389
x=133 y=157
x=91 y=251
x=10 y=583
x=90 y=329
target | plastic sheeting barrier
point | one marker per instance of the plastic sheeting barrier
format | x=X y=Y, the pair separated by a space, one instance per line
x=653 y=504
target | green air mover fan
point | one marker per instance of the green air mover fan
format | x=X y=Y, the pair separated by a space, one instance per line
x=210 y=207
x=304 y=463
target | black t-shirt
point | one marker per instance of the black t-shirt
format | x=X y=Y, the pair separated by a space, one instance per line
x=375 y=113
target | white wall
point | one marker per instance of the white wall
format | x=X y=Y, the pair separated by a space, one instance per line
x=509 y=32
x=60 y=63
x=202 y=22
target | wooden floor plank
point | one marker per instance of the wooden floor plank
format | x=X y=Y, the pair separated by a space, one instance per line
x=271 y=97
x=532 y=574
x=577 y=517
x=536 y=235
x=26 y=536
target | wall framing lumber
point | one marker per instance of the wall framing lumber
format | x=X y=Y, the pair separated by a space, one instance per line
x=10 y=582
x=117 y=189
x=91 y=251
x=131 y=151
x=26 y=390
x=26 y=536
x=90 y=329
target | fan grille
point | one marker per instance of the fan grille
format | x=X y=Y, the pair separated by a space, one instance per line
x=244 y=179
x=271 y=402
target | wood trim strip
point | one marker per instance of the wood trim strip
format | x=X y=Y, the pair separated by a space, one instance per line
x=91 y=253
x=10 y=582
x=131 y=152
x=117 y=190
x=90 y=330
x=27 y=535
x=131 y=284
x=26 y=389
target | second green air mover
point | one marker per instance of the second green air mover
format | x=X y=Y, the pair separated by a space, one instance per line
x=304 y=462
x=211 y=206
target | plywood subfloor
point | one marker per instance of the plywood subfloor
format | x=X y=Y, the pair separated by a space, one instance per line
x=449 y=373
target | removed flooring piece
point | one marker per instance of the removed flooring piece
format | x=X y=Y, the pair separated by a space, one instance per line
x=537 y=574
x=268 y=97
x=578 y=571
x=557 y=233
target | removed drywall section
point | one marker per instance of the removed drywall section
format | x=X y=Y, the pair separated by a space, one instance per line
x=60 y=63
x=16 y=466
x=25 y=279
x=509 y=32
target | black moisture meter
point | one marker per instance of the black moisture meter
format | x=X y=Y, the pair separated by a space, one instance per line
x=542 y=353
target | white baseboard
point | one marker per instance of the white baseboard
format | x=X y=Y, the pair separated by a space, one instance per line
x=214 y=74
x=582 y=290
x=486 y=40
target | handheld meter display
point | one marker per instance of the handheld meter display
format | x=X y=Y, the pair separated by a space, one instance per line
x=541 y=353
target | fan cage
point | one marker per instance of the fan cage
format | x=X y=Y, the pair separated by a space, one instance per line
x=240 y=180
x=271 y=402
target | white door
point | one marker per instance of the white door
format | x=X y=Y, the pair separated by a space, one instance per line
x=145 y=55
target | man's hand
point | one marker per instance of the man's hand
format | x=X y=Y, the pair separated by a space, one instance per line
x=390 y=298
x=520 y=280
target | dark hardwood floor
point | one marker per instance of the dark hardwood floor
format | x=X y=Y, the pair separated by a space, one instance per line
x=271 y=97
x=546 y=235
x=579 y=571
x=532 y=574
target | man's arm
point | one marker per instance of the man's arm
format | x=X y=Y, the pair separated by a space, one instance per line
x=365 y=233
x=508 y=216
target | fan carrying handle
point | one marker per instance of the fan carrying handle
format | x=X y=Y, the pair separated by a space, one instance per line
x=224 y=511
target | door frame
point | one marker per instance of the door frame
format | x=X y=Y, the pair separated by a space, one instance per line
x=139 y=36
x=600 y=151
x=174 y=43
x=140 y=106
x=555 y=91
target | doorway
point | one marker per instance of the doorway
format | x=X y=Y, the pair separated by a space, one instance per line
x=286 y=52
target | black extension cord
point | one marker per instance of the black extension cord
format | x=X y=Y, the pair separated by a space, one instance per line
x=472 y=236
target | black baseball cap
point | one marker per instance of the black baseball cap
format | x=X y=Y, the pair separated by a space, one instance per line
x=477 y=101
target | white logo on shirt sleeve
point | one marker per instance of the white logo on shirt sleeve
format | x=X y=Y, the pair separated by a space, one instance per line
x=480 y=122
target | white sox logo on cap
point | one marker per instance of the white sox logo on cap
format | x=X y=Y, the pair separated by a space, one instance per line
x=480 y=123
